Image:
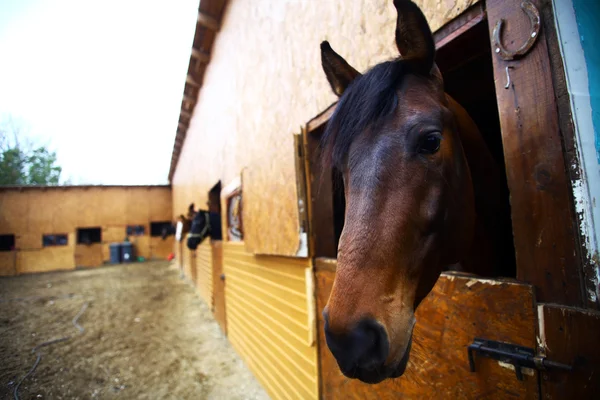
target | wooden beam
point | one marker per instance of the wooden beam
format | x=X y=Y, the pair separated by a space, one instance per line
x=320 y=119
x=181 y=126
x=568 y=336
x=201 y=56
x=208 y=22
x=459 y=25
x=191 y=81
x=185 y=114
x=189 y=99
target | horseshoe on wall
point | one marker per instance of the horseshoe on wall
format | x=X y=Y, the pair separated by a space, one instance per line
x=534 y=16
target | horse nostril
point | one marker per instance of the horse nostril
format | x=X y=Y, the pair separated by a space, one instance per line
x=365 y=346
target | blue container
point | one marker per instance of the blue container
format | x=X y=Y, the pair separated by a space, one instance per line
x=127 y=252
x=115 y=253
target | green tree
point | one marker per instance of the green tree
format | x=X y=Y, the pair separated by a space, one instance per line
x=42 y=167
x=21 y=163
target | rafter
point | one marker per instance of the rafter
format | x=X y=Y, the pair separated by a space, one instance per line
x=201 y=56
x=189 y=99
x=191 y=81
x=208 y=22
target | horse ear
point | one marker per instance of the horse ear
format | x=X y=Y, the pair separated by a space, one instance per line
x=413 y=36
x=339 y=73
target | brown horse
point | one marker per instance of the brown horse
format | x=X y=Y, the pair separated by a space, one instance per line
x=186 y=221
x=422 y=193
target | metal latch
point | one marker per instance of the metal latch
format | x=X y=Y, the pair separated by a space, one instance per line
x=518 y=356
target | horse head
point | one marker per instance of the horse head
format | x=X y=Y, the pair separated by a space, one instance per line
x=409 y=198
x=200 y=229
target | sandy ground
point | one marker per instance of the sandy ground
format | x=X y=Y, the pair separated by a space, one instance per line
x=147 y=335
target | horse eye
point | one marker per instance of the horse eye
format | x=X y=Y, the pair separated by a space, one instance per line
x=430 y=144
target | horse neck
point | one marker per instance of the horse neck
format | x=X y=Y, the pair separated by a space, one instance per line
x=487 y=188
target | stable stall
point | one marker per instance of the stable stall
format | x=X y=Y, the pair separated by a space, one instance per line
x=274 y=269
x=64 y=227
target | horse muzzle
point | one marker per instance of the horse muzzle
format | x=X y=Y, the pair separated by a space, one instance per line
x=193 y=242
x=362 y=352
x=376 y=374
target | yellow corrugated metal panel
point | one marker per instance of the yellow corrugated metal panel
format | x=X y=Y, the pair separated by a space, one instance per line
x=189 y=261
x=270 y=320
x=8 y=263
x=204 y=271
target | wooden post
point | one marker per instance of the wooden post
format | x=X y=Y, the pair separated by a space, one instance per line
x=542 y=210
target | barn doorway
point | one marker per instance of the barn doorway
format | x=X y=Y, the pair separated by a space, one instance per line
x=214 y=210
x=466 y=65
x=7 y=242
x=157 y=228
x=89 y=235
x=465 y=60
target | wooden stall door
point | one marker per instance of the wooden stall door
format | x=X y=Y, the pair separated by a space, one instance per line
x=458 y=310
x=570 y=336
x=8 y=263
x=219 y=285
x=542 y=210
x=89 y=255
x=543 y=217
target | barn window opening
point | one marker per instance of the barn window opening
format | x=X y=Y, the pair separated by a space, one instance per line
x=214 y=210
x=55 y=239
x=157 y=228
x=326 y=188
x=136 y=230
x=466 y=65
x=89 y=235
x=7 y=242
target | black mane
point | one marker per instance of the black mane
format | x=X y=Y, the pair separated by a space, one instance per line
x=367 y=100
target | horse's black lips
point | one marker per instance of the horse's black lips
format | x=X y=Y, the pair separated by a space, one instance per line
x=377 y=375
x=401 y=367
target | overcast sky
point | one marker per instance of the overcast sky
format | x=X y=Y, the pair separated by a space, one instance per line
x=99 y=82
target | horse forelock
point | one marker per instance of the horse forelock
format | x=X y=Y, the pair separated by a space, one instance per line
x=367 y=101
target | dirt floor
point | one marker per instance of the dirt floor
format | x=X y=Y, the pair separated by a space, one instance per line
x=147 y=335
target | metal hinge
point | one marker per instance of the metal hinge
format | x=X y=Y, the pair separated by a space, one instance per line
x=518 y=356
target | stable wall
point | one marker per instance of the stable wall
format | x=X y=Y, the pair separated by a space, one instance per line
x=204 y=270
x=263 y=82
x=30 y=212
x=271 y=320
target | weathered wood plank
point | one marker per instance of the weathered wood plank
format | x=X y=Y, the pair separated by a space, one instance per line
x=89 y=255
x=459 y=25
x=455 y=312
x=320 y=120
x=542 y=211
x=570 y=336
x=218 y=285
x=320 y=190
